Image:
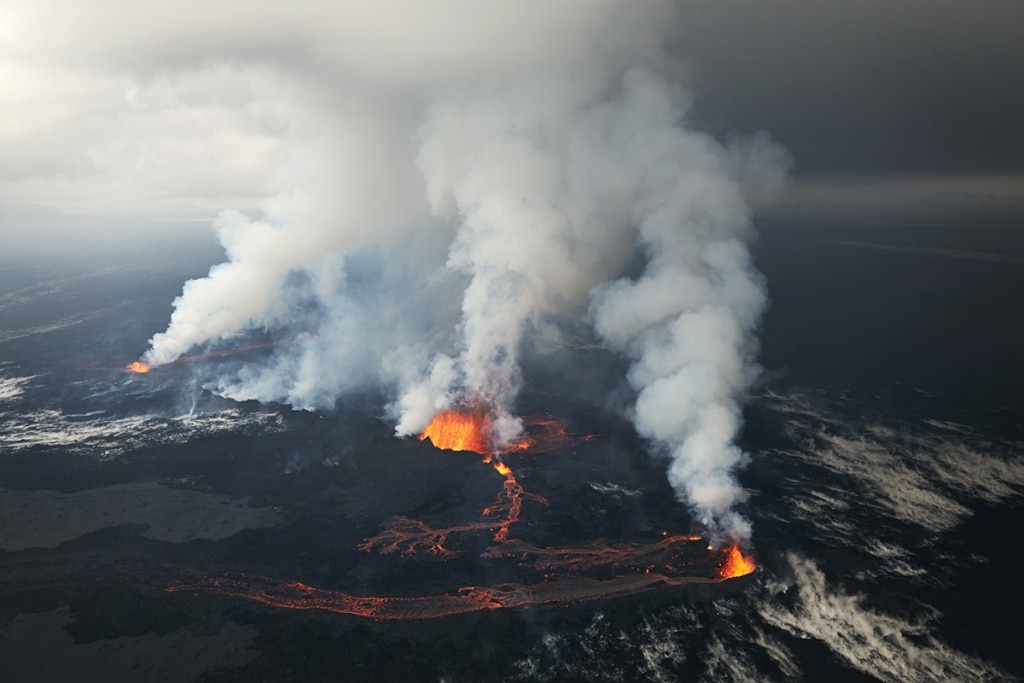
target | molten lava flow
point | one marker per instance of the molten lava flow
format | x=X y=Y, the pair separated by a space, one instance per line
x=512 y=506
x=737 y=564
x=408 y=536
x=552 y=576
x=299 y=596
x=673 y=554
x=546 y=434
x=137 y=367
x=457 y=431
x=140 y=367
x=548 y=575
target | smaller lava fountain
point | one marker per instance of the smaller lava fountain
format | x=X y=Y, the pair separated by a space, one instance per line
x=456 y=430
x=141 y=367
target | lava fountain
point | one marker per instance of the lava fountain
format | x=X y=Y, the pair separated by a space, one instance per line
x=459 y=431
x=138 y=367
x=736 y=564
x=472 y=430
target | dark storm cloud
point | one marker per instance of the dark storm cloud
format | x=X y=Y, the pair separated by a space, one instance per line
x=865 y=87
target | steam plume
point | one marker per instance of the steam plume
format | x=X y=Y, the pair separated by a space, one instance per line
x=438 y=209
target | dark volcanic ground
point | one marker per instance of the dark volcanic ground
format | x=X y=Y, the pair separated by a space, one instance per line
x=885 y=484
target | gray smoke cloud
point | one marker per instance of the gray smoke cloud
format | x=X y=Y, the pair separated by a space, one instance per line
x=458 y=176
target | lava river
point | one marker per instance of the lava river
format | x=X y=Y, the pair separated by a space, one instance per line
x=552 y=575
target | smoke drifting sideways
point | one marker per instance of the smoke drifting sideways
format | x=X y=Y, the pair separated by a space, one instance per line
x=461 y=175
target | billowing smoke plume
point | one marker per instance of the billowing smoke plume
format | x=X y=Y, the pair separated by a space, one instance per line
x=461 y=174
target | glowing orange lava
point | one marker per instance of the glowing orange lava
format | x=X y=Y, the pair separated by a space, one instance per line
x=408 y=536
x=460 y=431
x=140 y=367
x=300 y=596
x=737 y=564
x=470 y=430
x=591 y=570
x=457 y=431
x=545 y=434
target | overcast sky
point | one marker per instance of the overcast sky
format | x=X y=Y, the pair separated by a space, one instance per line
x=187 y=108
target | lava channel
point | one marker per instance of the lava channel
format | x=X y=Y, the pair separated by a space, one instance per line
x=141 y=367
x=553 y=590
x=552 y=575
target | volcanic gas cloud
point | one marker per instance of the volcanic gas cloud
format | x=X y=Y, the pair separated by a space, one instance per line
x=464 y=174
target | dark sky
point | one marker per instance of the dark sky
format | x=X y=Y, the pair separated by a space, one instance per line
x=864 y=88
